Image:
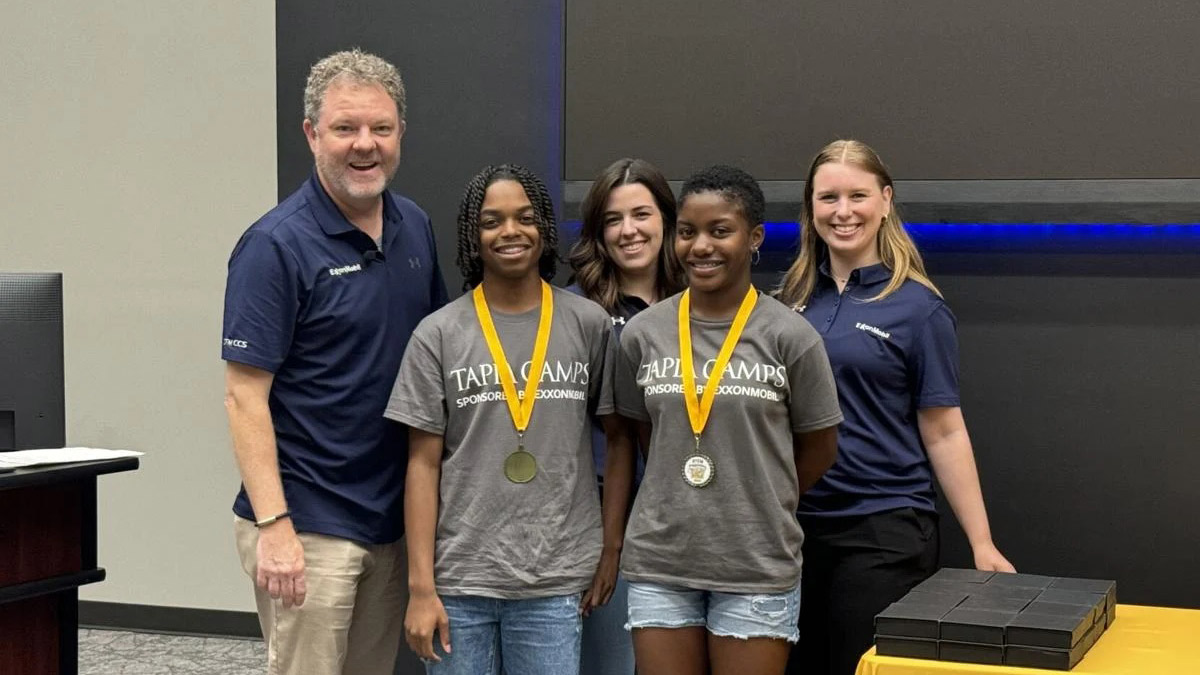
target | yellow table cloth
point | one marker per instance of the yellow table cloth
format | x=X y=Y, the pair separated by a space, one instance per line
x=1142 y=641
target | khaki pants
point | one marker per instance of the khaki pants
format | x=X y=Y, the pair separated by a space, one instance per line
x=352 y=619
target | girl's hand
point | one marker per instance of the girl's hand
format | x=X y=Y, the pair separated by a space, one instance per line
x=425 y=615
x=603 y=582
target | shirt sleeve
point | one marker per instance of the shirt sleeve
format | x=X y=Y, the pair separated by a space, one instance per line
x=934 y=361
x=813 y=402
x=419 y=395
x=603 y=359
x=262 y=302
x=630 y=401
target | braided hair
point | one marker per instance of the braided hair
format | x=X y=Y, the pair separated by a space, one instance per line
x=469 y=262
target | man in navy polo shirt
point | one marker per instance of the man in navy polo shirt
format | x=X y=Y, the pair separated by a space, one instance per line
x=322 y=296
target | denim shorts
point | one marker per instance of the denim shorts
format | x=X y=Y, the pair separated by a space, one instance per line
x=739 y=615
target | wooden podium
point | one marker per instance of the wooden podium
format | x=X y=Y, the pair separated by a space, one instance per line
x=47 y=551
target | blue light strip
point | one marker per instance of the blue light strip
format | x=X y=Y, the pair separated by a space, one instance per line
x=1170 y=238
x=1044 y=237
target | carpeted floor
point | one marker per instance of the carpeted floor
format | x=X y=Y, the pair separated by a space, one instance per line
x=104 y=652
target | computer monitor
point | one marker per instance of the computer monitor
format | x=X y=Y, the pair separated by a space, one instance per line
x=32 y=402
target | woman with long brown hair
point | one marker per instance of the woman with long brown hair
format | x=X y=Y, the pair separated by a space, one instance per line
x=625 y=261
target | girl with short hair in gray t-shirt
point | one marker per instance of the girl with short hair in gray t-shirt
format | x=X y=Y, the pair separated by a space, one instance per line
x=498 y=389
x=736 y=397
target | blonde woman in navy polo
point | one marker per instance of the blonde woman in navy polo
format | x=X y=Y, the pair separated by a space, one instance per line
x=871 y=523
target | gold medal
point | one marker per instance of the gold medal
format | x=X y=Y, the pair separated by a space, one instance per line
x=699 y=469
x=520 y=466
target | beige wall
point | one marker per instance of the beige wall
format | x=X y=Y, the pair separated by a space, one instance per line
x=137 y=142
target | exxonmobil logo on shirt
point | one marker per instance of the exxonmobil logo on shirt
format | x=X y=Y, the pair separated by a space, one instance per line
x=873 y=330
x=345 y=269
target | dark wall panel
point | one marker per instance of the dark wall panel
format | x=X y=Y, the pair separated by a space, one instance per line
x=945 y=89
x=484 y=87
x=1080 y=394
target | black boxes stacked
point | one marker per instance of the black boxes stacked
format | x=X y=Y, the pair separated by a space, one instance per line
x=1001 y=619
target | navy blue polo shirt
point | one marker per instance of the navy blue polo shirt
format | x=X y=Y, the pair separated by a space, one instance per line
x=310 y=298
x=890 y=358
x=627 y=307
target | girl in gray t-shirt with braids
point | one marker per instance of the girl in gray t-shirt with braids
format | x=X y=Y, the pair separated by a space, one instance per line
x=497 y=388
x=736 y=397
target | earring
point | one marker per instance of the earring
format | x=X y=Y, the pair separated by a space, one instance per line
x=883 y=221
x=755 y=256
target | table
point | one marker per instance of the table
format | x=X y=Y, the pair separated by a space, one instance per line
x=1143 y=641
x=47 y=551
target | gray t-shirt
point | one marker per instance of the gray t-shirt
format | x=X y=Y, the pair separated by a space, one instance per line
x=496 y=538
x=738 y=534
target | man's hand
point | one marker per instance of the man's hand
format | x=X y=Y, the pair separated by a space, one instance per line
x=425 y=615
x=280 y=556
x=281 y=563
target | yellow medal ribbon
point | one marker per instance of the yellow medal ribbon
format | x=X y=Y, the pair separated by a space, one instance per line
x=699 y=409
x=520 y=409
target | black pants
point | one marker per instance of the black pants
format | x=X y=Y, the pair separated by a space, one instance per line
x=854 y=567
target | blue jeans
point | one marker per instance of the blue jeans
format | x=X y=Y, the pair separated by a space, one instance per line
x=538 y=636
x=607 y=646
